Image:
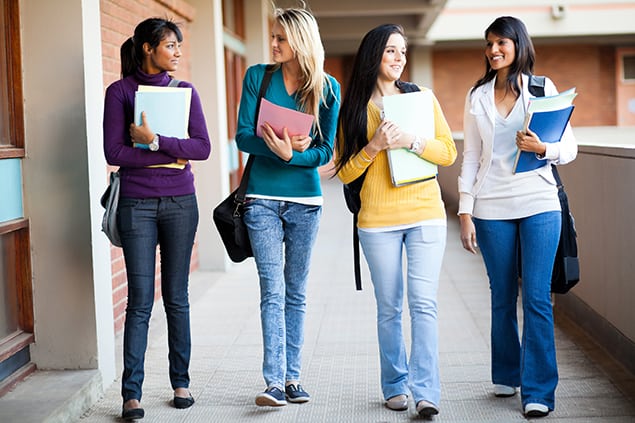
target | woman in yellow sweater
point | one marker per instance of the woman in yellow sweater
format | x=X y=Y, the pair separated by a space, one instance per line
x=391 y=219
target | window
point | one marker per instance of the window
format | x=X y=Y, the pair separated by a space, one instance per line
x=11 y=112
x=628 y=66
x=233 y=17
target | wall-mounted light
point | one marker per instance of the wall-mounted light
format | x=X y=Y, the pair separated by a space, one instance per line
x=558 y=11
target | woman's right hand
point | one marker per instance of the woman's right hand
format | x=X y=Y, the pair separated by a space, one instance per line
x=386 y=134
x=468 y=233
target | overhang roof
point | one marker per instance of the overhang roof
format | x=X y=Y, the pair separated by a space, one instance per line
x=343 y=23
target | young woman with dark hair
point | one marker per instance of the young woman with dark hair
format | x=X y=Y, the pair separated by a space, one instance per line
x=511 y=213
x=157 y=206
x=393 y=219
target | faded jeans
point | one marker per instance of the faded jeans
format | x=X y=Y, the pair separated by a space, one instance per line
x=282 y=236
x=424 y=247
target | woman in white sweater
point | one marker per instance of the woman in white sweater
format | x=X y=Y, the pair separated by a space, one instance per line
x=516 y=217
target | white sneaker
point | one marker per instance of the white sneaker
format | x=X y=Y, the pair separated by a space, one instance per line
x=534 y=409
x=504 y=391
x=397 y=403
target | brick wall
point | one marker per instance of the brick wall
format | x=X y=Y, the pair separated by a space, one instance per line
x=590 y=68
x=118 y=20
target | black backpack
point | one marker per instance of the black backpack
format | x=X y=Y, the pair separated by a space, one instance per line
x=566 y=266
x=354 y=203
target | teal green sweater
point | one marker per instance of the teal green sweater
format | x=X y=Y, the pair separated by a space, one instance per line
x=270 y=175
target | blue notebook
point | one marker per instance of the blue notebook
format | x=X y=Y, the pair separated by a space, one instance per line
x=549 y=126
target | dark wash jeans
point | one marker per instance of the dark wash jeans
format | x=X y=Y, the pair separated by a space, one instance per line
x=171 y=223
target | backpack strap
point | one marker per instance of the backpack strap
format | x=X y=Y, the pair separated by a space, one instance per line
x=537 y=85
x=407 y=87
x=174 y=82
x=356 y=255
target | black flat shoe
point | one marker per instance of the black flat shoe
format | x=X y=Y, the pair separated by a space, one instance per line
x=180 y=402
x=132 y=413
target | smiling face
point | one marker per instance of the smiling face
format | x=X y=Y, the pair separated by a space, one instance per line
x=500 y=52
x=281 y=51
x=164 y=57
x=393 y=60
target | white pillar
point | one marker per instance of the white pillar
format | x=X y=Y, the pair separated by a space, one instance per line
x=212 y=175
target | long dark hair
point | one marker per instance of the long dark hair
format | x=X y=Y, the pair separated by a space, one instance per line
x=514 y=29
x=353 y=121
x=150 y=31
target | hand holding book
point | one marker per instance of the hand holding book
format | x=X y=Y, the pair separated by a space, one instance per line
x=165 y=111
x=547 y=118
x=414 y=114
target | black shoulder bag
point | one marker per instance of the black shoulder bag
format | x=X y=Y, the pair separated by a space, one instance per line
x=228 y=215
x=566 y=266
x=352 y=192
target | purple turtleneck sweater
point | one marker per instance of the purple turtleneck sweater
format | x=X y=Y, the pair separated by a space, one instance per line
x=138 y=180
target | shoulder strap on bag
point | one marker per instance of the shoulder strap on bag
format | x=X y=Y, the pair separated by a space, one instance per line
x=174 y=82
x=242 y=188
x=537 y=85
x=407 y=87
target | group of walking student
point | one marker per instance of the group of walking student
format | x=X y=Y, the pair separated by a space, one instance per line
x=514 y=218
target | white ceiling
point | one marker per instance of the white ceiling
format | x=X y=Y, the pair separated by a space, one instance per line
x=343 y=23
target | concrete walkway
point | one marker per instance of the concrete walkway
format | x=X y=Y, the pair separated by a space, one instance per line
x=341 y=365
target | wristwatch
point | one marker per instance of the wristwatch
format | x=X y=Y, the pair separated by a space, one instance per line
x=154 y=145
x=415 y=145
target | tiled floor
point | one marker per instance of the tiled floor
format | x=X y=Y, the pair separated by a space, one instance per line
x=340 y=355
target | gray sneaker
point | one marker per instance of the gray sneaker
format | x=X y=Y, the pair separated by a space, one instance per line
x=272 y=397
x=427 y=409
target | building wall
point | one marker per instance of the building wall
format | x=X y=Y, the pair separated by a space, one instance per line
x=589 y=68
x=63 y=98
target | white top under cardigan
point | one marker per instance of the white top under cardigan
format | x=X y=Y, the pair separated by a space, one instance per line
x=504 y=195
x=481 y=132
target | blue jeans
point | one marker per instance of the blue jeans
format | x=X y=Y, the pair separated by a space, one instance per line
x=282 y=236
x=530 y=364
x=171 y=223
x=424 y=247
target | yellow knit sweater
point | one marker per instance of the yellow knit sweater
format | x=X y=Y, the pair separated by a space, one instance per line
x=383 y=204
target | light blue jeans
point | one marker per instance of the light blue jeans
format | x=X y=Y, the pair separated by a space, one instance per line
x=282 y=236
x=530 y=364
x=424 y=247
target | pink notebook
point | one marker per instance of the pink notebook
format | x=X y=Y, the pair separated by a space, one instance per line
x=278 y=117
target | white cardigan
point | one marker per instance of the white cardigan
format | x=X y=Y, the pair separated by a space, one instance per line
x=478 y=127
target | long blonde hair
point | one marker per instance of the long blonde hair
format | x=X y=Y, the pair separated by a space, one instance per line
x=304 y=39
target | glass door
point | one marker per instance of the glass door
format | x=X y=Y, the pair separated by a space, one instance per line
x=16 y=299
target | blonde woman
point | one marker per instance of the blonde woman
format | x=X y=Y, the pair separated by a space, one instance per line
x=284 y=197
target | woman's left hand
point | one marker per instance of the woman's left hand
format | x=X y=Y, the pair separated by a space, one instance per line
x=300 y=143
x=529 y=141
x=281 y=147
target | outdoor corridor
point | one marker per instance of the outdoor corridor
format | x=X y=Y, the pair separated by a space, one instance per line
x=341 y=364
